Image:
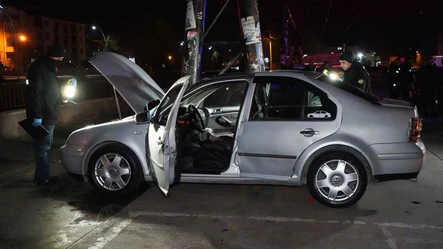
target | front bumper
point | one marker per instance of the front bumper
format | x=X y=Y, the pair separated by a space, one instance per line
x=72 y=158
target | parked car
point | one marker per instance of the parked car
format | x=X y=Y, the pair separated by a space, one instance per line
x=246 y=128
x=319 y=114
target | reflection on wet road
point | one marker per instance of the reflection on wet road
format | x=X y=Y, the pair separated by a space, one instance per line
x=54 y=216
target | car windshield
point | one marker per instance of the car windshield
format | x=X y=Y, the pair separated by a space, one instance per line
x=350 y=89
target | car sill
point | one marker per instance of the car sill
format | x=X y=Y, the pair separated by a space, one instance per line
x=266 y=155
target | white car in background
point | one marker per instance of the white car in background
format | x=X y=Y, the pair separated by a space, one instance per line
x=319 y=114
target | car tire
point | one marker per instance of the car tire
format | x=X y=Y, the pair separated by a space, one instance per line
x=340 y=173
x=116 y=179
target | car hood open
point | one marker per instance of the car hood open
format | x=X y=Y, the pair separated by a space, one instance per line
x=135 y=86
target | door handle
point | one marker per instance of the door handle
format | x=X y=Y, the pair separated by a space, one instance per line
x=309 y=132
x=226 y=119
x=216 y=110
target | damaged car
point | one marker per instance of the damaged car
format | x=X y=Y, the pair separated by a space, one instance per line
x=248 y=128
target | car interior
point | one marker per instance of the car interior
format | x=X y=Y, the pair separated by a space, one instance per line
x=206 y=126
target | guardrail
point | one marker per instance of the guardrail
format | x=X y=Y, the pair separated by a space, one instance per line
x=12 y=94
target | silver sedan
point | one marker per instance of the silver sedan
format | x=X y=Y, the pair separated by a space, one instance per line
x=256 y=128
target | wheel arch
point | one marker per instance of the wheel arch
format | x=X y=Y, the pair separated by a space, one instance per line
x=101 y=145
x=334 y=149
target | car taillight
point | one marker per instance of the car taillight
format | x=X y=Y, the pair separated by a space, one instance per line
x=415 y=129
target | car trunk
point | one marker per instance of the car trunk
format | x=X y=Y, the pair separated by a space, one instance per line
x=395 y=102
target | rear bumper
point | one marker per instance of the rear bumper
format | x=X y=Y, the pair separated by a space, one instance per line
x=397 y=160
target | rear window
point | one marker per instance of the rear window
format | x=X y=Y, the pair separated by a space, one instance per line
x=351 y=89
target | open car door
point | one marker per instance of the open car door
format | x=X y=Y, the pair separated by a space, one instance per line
x=162 y=146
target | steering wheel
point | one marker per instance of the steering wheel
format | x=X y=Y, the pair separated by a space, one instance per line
x=196 y=118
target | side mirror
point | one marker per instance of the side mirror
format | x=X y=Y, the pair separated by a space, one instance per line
x=153 y=104
x=142 y=117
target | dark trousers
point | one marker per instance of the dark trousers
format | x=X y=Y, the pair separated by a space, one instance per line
x=43 y=153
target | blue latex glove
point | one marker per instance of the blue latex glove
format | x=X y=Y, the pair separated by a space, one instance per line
x=37 y=122
x=72 y=82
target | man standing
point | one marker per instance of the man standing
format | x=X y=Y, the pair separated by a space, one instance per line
x=43 y=100
x=355 y=73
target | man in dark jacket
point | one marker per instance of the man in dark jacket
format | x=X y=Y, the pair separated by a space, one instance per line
x=355 y=73
x=43 y=100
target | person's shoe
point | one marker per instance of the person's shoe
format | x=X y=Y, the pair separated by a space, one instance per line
x=51 y=181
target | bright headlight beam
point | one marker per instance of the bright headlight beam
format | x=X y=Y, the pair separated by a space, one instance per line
x=69 y=91
x=333 y=76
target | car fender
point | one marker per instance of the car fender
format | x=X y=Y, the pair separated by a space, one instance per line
x=132 y=137
x=322 y=147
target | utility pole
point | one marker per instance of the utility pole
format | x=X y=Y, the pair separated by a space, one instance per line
x=250 y=23
x=194 y=28
x=284 y=63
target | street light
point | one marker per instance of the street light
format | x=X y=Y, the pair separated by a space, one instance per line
x=10 y=20
x=22 y=38
x=101 y=31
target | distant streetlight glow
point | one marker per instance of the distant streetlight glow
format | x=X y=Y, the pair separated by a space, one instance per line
x=169 y=57
x=22 y=38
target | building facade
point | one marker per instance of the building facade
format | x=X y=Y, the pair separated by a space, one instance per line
x=25 y=36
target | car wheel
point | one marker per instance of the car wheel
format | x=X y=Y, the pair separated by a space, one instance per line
x=310 y=116
x=337 y=180
x=114 y=169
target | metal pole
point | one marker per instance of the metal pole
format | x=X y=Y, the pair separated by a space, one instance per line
x=270 y=54
x=103 y=34
x=194 y=28
x=252 y=35
x=230 y=63
x=284 y=63
x=215 y=20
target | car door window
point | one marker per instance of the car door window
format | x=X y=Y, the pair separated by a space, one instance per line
x=230 y=94
x=285 y=98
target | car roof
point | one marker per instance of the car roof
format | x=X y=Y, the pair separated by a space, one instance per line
x=248 y=75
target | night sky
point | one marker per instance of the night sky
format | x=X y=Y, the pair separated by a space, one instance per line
x=372 y=23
